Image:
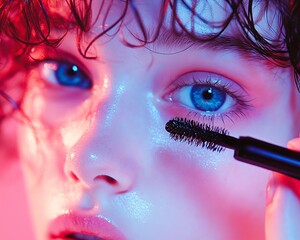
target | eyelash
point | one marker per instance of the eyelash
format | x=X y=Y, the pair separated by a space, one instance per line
x=57 y=59
x=242 y=102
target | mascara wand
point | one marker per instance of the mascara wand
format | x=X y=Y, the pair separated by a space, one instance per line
x=246 y=149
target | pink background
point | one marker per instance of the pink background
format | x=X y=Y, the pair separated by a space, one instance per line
x=14 y=213
x=15 y=221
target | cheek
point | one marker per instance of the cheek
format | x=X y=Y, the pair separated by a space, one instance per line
x=273 y=122
x=52 y=127
x=42 y=152
x=189 y=185
x=47 y=109
x=43 y=159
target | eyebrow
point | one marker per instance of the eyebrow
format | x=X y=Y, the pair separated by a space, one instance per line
x=169 y=39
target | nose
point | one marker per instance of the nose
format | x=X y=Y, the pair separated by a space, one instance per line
x=111 y=153
x=97 y=168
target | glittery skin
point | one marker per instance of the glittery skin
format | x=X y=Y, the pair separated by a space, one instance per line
x=105 y=152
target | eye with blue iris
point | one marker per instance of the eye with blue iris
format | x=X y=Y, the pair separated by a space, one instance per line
x=208 y=94
x=65 y=74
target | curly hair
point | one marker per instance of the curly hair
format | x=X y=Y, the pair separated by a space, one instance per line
x=25 y=24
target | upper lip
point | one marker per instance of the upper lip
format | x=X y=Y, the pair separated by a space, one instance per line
x=69 y=225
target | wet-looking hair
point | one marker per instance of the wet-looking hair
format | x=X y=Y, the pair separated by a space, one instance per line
x=28 y=23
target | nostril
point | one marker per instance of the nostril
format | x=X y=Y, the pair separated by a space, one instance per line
x=107 y=179
x=74 y=177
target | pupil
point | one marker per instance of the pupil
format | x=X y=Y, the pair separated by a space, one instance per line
x=72 y=71
x=207 y=95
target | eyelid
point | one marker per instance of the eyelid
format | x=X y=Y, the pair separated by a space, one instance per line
x=192 y=78
x=43 y=55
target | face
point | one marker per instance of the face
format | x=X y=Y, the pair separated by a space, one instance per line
x=97 y=158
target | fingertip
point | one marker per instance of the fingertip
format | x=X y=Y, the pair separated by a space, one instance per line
x=282 y=212
x=294 y=144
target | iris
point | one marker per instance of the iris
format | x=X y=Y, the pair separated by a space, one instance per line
x=207 y=98
x=68 y=74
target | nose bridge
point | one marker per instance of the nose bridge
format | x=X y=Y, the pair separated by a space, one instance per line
x=123 y=121
x=110 y=151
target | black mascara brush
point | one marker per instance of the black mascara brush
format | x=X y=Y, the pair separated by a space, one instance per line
x=246 y=149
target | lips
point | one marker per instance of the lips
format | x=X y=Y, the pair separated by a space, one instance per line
x=72 y=226
x=81 y=236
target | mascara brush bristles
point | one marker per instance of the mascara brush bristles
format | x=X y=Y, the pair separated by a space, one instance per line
x=195 y=133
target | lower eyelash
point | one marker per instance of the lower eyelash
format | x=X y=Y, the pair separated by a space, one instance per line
x=223 y=117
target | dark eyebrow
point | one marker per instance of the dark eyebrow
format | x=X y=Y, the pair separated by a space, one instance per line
x=168 y=42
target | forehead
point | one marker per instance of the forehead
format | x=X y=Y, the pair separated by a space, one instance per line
x=201 y=17
x=252 y=27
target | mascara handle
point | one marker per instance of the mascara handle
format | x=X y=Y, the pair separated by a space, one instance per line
x=268 y=156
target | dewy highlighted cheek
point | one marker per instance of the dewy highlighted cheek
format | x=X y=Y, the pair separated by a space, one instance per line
x=135 y=206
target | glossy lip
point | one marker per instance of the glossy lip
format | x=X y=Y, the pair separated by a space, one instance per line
x=90 y=225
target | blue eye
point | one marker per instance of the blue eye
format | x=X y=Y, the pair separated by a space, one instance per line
x=207 y=98
x=207 y=93
x=66 y=74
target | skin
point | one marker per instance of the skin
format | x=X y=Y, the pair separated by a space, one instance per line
x=104 y=151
